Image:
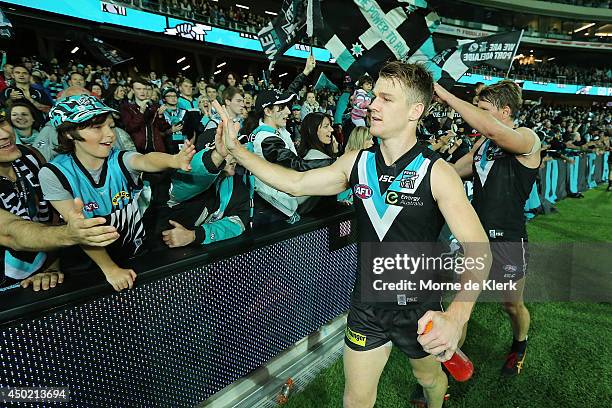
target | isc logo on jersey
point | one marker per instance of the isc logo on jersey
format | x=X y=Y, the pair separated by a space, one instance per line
x=362 y=191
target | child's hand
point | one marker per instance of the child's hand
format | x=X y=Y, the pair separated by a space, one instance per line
x=120 y=278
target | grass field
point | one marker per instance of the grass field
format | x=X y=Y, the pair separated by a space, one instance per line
x=569 y=358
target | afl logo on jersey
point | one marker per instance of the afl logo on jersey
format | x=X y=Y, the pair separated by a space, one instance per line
x=363 y=191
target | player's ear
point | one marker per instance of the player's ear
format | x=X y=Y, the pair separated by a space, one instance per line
x=416 y=111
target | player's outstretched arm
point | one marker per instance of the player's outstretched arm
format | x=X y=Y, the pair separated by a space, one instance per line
x=328 y=180
x=519 y=141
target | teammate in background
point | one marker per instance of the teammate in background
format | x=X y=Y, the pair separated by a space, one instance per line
x=403 y=92
x=106 y=179
x=504 y=164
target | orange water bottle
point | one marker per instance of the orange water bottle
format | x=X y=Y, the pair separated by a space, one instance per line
x=459 y=365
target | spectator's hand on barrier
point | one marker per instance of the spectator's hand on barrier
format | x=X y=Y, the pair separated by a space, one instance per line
x=443 y=338
x=311 y=63
x=91 y=231
x=230 y=129
x=178 y=236
x=120 y=278
x=45 y=280
x=183 y=158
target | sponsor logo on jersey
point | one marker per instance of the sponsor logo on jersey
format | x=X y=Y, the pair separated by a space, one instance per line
x=355 y=338
x=386 y=178
x=91 y=206
x=119 y=196
x=402 y=199
x=362 y=191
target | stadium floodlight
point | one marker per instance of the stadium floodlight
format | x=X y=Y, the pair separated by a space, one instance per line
x=282 y=75
x=584 y=27
x=551 y=58
x=222 y=64
x=178 y=61
x=241 y=6
x=217 y=72
x=519 y=56
x=74 y=50
x=537 y=60
x=271 y=13
x=186 y=67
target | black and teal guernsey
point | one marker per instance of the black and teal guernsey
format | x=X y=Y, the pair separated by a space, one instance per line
x=23 y=198
x=114 y=197
x=501 y=186
x=394 y=204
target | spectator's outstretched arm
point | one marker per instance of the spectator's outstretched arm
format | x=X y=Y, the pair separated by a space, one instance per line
x=275 y=151
x=155 y=161
x=300 y=80
x=205 y=168
x=22 y=235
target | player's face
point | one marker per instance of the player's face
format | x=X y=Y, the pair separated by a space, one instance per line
x=8 y=148
x=499 y=114
x=390 y=110
x=98 y=140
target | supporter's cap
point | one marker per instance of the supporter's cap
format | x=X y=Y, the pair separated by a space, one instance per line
x=296 y=107
x=37 y=74
x=80 y=66
x=77 y=109
x=168 y=90
x=201 y=78
x=267 y=98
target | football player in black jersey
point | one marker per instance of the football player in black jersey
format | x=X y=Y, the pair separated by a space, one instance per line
x=403 y=193
x=504 y=164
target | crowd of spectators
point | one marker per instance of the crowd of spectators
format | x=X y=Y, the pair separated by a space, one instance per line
x=152 y=138
x=206 y=11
